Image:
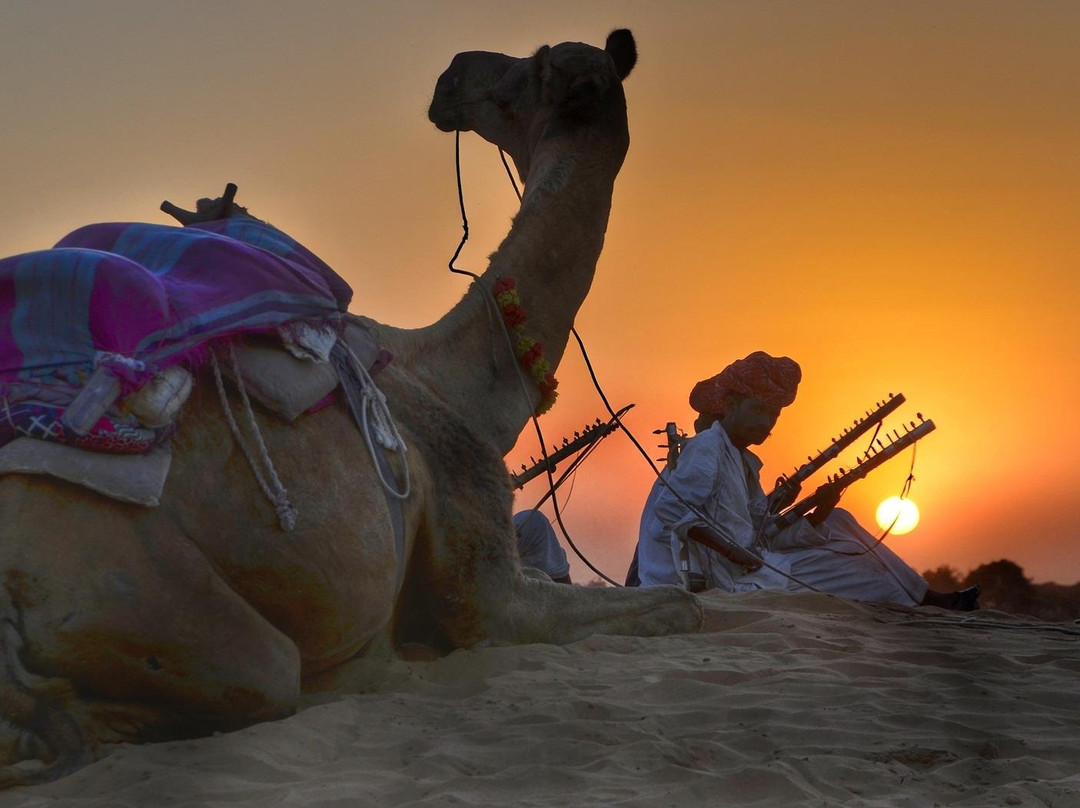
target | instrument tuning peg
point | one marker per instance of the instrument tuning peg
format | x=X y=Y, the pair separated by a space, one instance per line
x=523 y=467
x=879 y=443
x=532 y=460
x=577 y=434
x=919 y=416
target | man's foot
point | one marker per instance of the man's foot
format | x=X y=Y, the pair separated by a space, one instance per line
x=965 y=600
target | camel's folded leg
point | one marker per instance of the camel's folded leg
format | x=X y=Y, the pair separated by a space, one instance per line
x=115 y=627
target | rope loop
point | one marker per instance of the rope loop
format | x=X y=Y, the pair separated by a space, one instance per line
x=372 y=415
x=272 y=487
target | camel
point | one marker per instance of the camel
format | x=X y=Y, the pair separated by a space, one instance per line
x=125 y=623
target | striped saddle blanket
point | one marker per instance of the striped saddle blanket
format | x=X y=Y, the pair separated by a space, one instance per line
x=137 y=299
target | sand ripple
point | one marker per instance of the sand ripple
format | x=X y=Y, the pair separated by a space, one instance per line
x=783 y=700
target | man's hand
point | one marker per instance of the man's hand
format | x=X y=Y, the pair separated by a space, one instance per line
x=827 y=496
x=744 y=558
x=783 y=496
x=728 y=549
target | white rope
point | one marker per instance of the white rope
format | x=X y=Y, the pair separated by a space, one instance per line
x=277 y=494
x=380 y=420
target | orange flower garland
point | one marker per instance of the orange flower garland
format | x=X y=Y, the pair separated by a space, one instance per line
x=530 y=353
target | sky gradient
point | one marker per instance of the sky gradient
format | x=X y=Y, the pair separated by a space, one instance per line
x=886 y=192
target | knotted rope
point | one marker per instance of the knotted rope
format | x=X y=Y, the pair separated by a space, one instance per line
x=370 y=411
x=272 y=488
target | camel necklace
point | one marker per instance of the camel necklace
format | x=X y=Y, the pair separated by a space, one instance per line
x=529 y=352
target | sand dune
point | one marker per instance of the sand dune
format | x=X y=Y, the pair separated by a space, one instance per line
x=783 y=700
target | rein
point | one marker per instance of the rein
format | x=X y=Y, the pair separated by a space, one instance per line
x=520 y=365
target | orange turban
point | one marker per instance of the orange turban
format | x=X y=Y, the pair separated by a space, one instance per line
x=770 y=379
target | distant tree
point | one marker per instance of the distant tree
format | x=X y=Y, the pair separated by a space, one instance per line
x=1007 y=589
x=1056 y=602
x=943 y=579
x=1004 y=586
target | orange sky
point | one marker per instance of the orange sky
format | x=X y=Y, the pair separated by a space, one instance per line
x=886 y=192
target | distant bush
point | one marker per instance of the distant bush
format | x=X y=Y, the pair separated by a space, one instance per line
x=943 y=579
x=1007 y=589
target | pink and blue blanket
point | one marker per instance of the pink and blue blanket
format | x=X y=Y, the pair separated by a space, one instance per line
x=140 y=297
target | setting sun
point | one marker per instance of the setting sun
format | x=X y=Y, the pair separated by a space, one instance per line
x=901 y=514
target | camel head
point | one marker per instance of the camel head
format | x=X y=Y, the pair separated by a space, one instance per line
x=518 y=103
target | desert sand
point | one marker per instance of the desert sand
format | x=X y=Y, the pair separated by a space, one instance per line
x=782 y=700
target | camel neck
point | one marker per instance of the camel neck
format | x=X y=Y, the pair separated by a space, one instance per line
x=550 y=254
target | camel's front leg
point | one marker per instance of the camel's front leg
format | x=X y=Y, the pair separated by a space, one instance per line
x=464 y=573
x=483 y=595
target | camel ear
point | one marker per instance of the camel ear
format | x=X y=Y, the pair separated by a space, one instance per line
x=541 y=61
x=622 y=50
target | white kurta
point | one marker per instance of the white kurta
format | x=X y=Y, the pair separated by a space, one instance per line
x=723 y=483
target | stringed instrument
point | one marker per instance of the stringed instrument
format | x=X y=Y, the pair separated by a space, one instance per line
x=787 y=487
x=589 y=435
x=869 y=460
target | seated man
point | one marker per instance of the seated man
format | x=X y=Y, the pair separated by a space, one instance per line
x=718 y=497
x=539 y=548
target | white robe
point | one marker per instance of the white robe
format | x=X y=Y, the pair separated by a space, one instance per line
x=722 y=482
